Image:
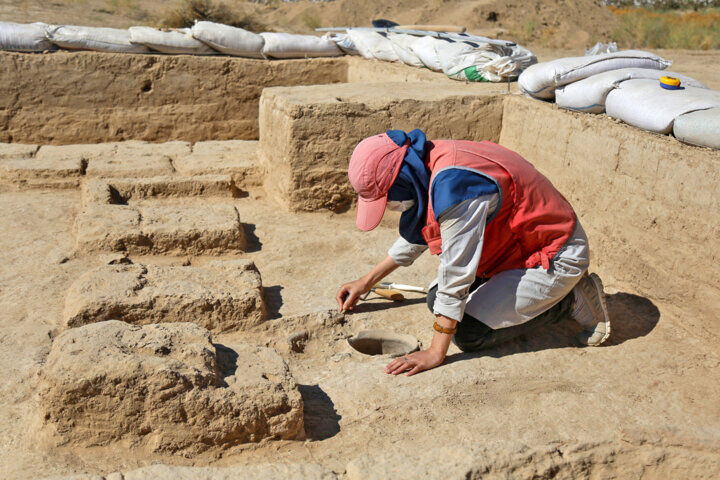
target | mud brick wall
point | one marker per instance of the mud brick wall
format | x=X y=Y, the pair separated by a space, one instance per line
x=307 y=134
x=649 y=204
x=90 y=97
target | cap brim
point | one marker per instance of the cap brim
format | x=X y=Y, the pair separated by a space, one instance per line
x=370 y=213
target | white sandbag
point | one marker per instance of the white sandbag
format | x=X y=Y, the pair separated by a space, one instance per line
x=175 y=41
x=401 y=45
x=701 y=128
x=645 y=104
x=426 y=50
x=490 y=63
x=229 y=40
x=588 y=95
x=449 y=51
x=437 y=54
x=99 y=39
x=343 y=42
x=542 y=79
x=372 y=45
x=289 y=45
x=24 y=37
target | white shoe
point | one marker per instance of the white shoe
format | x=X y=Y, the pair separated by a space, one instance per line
x=590 y=310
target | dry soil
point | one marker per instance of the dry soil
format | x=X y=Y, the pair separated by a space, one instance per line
x=643 y=406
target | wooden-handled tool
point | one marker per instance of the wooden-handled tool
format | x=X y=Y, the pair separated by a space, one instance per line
x=433 y=28
x=393 y=295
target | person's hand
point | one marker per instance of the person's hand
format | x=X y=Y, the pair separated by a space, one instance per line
x=349 y=294
x=415 y=362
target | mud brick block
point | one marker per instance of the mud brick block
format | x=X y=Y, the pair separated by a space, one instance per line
x=221 y=296
x=43 y=172
x=163 y=388
x=237 y=158
x=211 y=229
x=307 y=134
x=121 y=190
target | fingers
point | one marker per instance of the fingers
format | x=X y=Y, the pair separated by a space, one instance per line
x=350 y=300
x=340 y=297
x=399 y=365
x=401 y=368
x=393 y=365
x=417 y=368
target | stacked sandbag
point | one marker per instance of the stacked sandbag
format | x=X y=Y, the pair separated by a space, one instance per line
x=402 y=46
x=701 y=128
x=343 y=42
x=588 y=95
x=229 y=40
x=174 y=41
x=643 y=103
x=372 y=45
x=99 y=39
x=438 y=54
x=288 y=45
x=490 y=63
x=22 y=37
x=541 y=80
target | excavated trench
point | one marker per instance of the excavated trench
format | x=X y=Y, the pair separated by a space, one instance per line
x=648 y=203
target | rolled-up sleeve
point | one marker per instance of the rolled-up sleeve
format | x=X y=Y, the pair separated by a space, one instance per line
x=405 y=253
x=462 y=229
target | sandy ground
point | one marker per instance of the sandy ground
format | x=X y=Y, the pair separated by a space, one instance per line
x=653 y=383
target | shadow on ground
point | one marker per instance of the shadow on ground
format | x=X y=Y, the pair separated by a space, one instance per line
x=321 y=419
x=227 y=360
x=632 y=316
x=253 y=242
x=273 y=301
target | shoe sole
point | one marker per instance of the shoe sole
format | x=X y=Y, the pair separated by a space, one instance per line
x=603 y=304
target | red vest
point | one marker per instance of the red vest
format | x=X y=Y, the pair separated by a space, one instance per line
x=534 y=220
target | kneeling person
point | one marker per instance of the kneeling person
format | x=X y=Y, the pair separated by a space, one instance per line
x=513 y=256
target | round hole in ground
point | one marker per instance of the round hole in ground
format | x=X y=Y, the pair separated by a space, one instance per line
x=383 y=342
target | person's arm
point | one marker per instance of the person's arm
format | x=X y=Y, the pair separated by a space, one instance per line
x=462 y=229
x=405 y=253
x=401 y=254
x=349 y=294
x=425 y=359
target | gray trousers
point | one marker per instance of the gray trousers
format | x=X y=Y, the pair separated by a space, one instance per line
x=515 y=302
x=473 y=335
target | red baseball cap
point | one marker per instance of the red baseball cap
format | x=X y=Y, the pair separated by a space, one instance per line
x=374 y=166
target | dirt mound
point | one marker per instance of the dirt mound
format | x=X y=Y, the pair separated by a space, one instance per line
x=166 y=388
x=222 y=296
x=558 y=24
x=569 y=24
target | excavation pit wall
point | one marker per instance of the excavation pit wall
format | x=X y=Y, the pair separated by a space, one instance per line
x=90 y=97
x=648 y=202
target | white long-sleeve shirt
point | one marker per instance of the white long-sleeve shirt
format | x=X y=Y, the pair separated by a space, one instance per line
x=462 y=228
